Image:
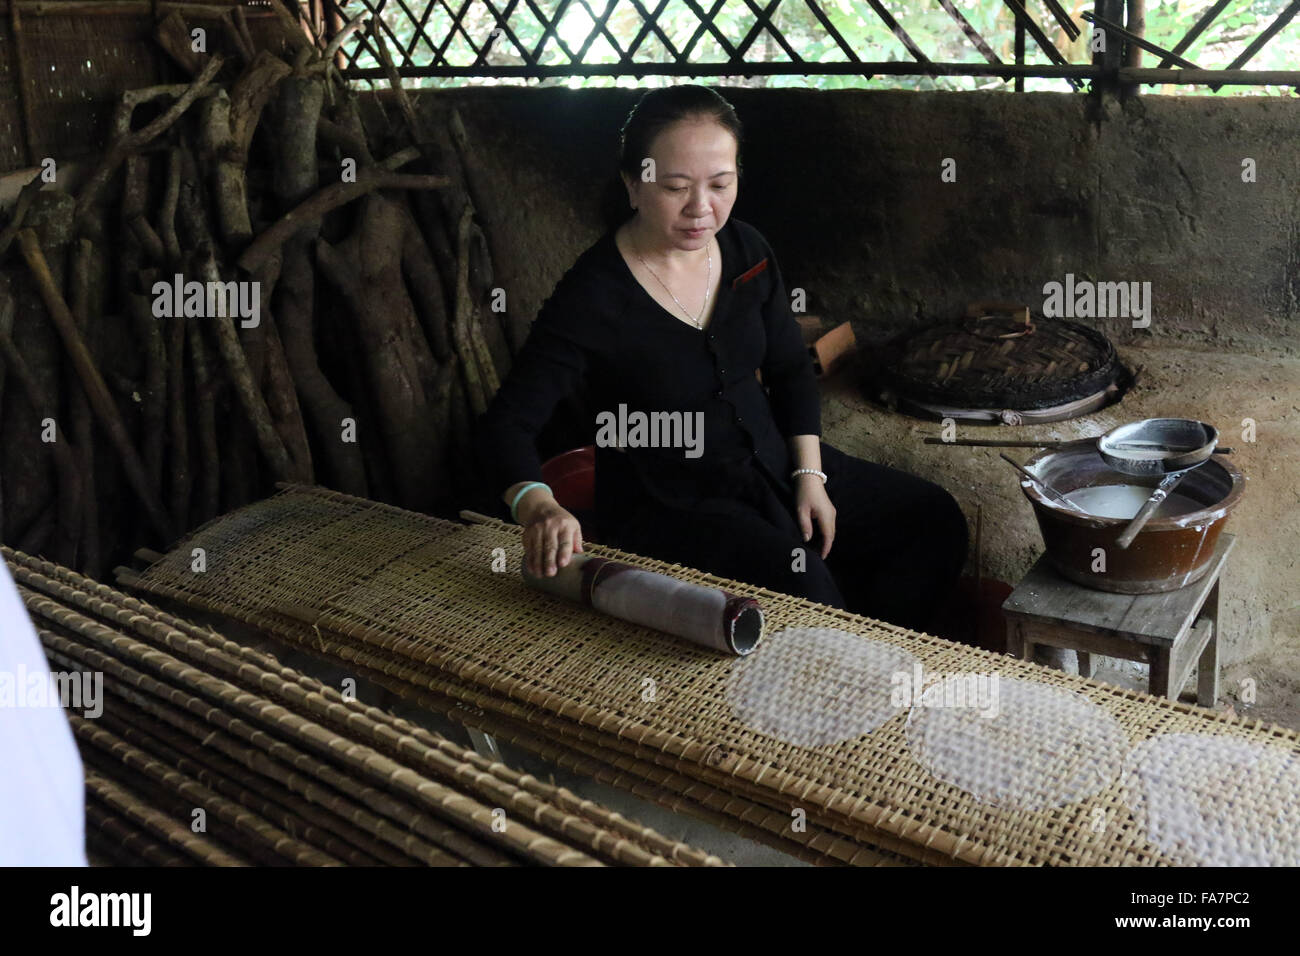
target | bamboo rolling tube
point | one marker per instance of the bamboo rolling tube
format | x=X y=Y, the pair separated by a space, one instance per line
x=710 y=617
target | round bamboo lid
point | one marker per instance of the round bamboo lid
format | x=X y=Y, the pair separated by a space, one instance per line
x=1002 y=361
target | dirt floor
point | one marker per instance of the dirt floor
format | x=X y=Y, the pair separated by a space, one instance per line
x=1260 y=629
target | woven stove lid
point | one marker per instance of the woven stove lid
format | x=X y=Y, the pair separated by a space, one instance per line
x=1001 y=361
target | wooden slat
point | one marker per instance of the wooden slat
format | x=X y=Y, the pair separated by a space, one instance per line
x=1071 y=638
x=1185 y=654
x=1154 y=619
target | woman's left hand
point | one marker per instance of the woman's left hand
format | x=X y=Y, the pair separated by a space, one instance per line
x=812 y=503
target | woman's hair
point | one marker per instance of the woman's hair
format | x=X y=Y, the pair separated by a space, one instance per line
x=654 y=112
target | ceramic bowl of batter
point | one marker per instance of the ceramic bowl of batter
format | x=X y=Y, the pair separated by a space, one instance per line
x=1172 y=551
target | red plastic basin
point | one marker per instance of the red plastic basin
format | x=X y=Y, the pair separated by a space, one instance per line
x=572 y=477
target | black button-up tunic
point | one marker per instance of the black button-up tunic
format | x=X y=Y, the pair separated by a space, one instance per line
x=602 y=329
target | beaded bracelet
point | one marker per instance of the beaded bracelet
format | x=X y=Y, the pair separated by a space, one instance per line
x=523 y=491
x=809 y=471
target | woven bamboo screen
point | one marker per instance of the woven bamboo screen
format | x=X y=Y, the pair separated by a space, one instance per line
x=76 y=63
x=1078 y=772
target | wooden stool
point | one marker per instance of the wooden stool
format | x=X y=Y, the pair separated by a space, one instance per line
x=1173 y=631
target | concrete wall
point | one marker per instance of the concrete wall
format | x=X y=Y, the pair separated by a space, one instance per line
x=847 y=188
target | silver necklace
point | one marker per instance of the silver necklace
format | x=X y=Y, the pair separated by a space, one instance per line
x=708 y=286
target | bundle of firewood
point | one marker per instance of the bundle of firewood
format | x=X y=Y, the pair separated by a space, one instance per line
x=307 y=297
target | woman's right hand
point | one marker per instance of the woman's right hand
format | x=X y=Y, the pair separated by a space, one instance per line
x=551 y=534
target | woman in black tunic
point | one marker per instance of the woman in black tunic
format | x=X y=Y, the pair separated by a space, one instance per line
x=670 y=316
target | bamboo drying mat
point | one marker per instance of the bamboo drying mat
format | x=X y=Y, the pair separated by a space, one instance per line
x=416 y=596
x=750 y=811
x=287 y=769
x=767 y=822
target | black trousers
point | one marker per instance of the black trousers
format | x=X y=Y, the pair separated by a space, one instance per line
x=899 y=548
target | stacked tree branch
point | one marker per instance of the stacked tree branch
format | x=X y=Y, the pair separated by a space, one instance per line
x=251 y=286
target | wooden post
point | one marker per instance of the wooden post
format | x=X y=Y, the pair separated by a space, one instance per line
x=21 y=81
x=1110 y=61
x=1207 y=667
x=101 y=401
x=1085 y=663
x=1137 y=25
x=1020 y=52
x=1159 y=678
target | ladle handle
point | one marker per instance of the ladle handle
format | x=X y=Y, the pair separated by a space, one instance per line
x=1047 y=489
x=1148 y=509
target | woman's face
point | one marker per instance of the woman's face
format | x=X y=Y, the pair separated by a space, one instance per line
x=694 y=184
